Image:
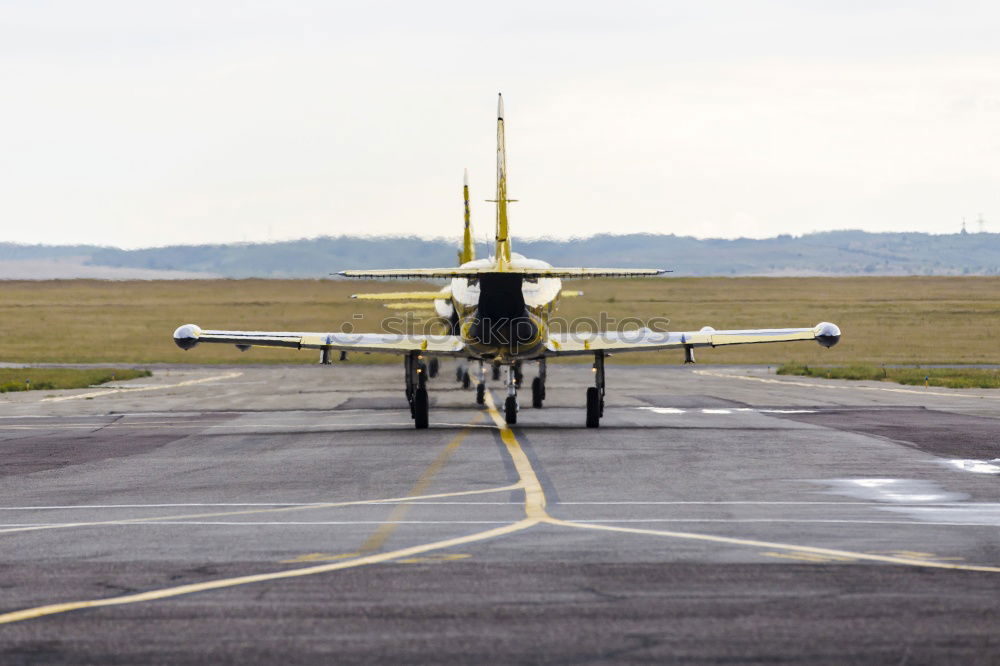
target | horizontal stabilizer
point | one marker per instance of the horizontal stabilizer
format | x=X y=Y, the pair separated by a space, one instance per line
x=442 y=295
x=449 y=273
x=419 y=306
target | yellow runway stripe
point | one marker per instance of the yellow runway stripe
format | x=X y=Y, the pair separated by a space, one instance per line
x=828 y=552
x=534 y=496
x=52 y=609
x=385 y=530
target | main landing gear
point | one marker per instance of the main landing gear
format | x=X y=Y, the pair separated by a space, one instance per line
x=595 y=394
x=416 y=389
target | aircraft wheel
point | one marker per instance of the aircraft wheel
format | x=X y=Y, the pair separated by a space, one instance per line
x=537 y=392
x=466 y=380
x=433 y=367
x=510 y=410
x=420 y=408
x=458 y=373
x=593 y=407
x=481 y=394
x=496 y=372
x=421 y=375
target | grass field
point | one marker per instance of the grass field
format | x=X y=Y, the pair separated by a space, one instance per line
x=906 y=320
x=949 y=377
x=44 y=379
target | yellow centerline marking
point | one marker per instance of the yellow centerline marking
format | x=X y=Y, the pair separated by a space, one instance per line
x=535 y=513
x=109 y=391
x=385 y=530
x=534 y=496
x=152 y=595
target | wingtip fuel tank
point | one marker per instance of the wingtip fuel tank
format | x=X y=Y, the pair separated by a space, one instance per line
x=186 y=336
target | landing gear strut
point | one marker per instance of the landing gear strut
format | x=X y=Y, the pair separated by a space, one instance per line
x=416 y=389
x=595 y=394
x=510 y=404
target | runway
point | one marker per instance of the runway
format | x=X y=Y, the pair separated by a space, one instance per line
x=292 y=514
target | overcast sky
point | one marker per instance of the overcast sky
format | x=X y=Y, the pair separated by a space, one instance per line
x=139 y=123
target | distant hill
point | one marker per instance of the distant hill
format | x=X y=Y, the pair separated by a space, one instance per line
x=827 y=253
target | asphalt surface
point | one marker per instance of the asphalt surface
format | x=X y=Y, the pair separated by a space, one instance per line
x=293 y=515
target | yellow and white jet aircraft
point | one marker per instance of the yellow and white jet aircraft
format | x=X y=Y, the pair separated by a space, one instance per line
x=500 y=309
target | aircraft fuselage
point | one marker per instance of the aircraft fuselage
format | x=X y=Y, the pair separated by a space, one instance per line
x=504 y=316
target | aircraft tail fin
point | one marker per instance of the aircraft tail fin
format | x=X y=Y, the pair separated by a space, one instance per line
x=468 y=252
x=503 y=233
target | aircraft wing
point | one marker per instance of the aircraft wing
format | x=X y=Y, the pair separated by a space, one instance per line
x=189 y=335
x=644 y=339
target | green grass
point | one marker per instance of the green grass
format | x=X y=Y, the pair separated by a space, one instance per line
x=947 y=377
x=45 y=379
x=892 y=320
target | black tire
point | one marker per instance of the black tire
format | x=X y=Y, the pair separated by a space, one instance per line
x=481 y=394
x=458 y=374
x=420 y=408
x=496 y=372
x=433 y=367
x=537 y=392
x=510 y=410
x=421 y=375
x=466 y=380
x=593 y=407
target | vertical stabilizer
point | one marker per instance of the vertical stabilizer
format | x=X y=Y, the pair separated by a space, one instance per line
x=468 y=252
x=503 y=236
